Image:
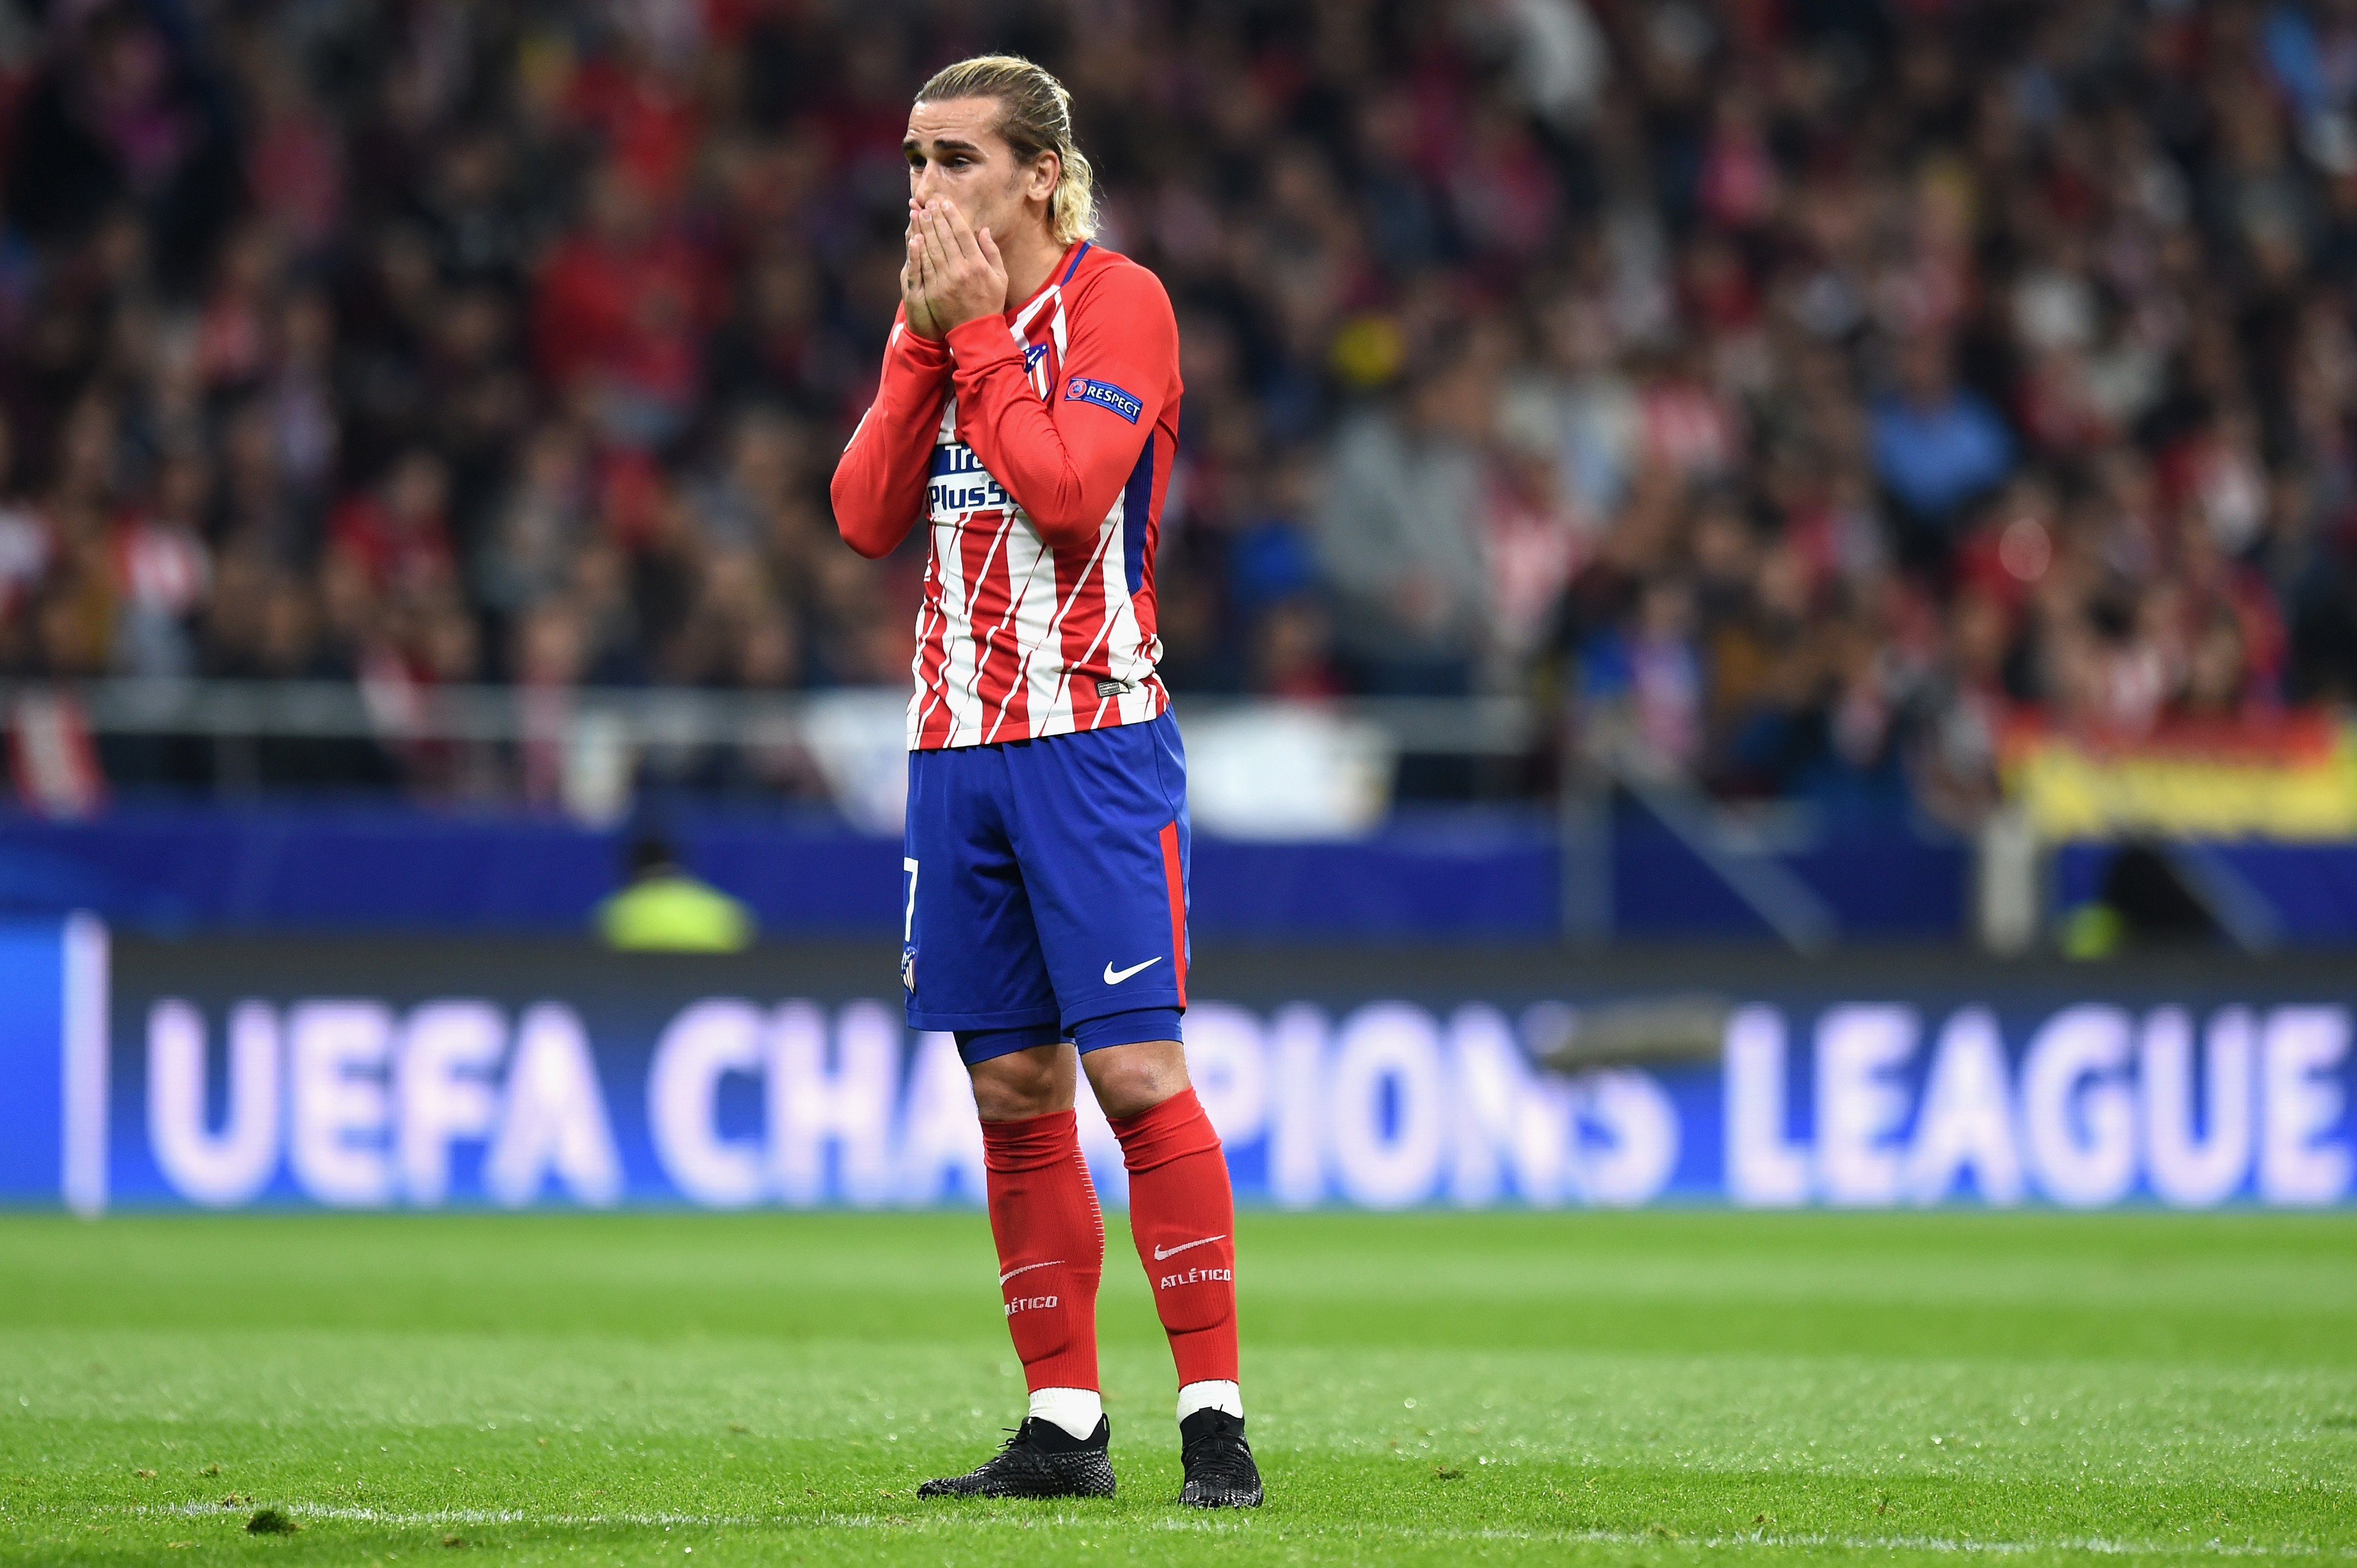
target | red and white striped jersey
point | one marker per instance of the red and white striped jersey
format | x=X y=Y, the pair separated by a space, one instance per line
x=1037 y=447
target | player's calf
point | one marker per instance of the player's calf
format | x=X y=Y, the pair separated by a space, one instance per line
x=1182 y=1216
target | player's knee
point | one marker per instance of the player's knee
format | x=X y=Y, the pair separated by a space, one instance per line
x=1020 y=1084
x=1130 y=1080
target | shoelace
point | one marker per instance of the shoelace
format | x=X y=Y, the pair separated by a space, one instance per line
x=1220 y=1457
x=1013 y=1435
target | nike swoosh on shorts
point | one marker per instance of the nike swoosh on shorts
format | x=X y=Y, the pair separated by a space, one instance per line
x=1116 y=976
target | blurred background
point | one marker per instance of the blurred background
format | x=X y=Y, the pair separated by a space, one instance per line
x=1792 y=470
x=1717 y=549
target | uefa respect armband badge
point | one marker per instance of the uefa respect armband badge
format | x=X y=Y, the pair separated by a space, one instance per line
x=1104 y=394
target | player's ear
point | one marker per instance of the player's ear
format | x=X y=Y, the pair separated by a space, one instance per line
x=1047 y=173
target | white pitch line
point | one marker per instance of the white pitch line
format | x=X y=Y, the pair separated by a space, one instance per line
x=2093 y=1545
x=2090 y=1545
x=408 y=1518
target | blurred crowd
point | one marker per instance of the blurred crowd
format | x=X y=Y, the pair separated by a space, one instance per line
x=1790 y=391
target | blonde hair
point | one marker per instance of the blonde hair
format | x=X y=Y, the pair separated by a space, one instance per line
x=1035 y=116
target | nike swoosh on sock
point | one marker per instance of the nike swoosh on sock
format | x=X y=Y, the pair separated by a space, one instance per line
x=1184 y=1246
x=1028 y=1267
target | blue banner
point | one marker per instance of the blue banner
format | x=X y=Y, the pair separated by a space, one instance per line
x=1476 y=875
x=432 y=1075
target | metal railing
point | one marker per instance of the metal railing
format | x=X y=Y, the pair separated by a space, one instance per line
x=664 y=715
x=611 y=725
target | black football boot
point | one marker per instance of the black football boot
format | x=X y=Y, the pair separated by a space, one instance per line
x=1220 y=1469
x=1041 y=1460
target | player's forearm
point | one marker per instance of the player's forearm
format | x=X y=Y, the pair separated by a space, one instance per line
x=873 y=518
x=879 y=482
x=880 y=486
x=1065 y=493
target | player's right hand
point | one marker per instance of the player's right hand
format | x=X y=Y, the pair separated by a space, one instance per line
x=965 y=277
x=913 y=282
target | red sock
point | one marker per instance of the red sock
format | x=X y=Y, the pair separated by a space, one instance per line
x=1183 y=1218
x=1043 y=1215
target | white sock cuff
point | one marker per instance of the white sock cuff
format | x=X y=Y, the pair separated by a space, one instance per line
x=1077 y=1410
x=1211 y=1394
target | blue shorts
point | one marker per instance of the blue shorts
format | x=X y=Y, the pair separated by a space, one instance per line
x=1044 y=884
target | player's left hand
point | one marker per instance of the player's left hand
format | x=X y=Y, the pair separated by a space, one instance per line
x=964 y=277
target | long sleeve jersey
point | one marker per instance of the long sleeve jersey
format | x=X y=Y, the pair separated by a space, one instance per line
x=1037 y=447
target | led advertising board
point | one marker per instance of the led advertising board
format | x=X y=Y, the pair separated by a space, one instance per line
x=420 y=1075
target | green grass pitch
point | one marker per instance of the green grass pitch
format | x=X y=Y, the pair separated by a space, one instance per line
x=1665 y=1386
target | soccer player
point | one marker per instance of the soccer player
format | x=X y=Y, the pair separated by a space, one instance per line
x=1028 y=413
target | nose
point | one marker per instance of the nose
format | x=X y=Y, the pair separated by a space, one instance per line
x=924 y=179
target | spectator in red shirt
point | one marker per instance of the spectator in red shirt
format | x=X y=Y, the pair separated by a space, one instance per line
x=397 y=535
x=619 y=312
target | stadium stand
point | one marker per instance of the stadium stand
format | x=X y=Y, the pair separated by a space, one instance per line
x=1799 y=392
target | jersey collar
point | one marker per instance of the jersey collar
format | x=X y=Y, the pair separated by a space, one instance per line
x=1058 y=276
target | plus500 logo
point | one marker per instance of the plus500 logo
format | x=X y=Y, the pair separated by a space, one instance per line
x=960 y=484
